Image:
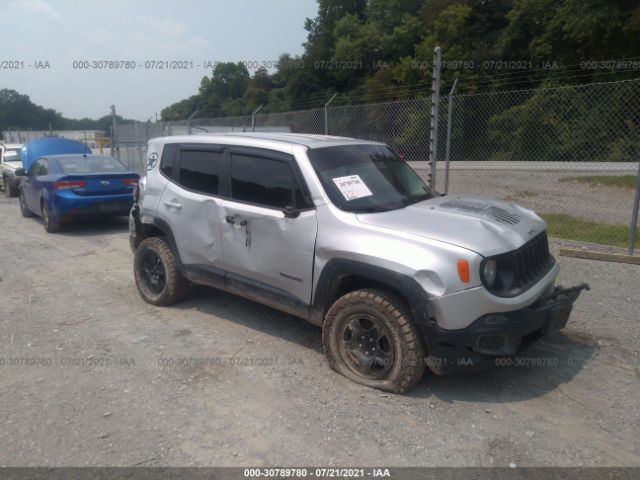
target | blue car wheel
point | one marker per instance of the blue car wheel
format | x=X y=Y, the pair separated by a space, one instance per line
x=52 y=223
x=23 y=207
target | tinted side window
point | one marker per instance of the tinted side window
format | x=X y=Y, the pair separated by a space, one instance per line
x=39 y=168
x=263 y=181
x=201 y=170
x=167 y=161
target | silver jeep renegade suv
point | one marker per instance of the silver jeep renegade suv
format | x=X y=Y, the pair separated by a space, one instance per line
x=343 y=233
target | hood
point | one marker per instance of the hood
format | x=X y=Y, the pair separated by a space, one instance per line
x=13 y=164
x=45 y=146
x=483 y=225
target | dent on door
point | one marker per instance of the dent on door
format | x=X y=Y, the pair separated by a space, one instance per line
x=198 y=218
x=273 y=249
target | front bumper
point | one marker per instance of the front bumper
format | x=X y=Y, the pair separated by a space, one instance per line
x=500 y=334
x=134 y=227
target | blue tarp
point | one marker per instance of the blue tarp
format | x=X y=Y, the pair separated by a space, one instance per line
x=42 y=147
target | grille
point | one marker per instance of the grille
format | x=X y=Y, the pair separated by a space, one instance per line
x=497 y=213
x=520 y=269
x=532 y=260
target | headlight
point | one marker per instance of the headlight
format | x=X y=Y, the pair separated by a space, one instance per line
x=489 y=272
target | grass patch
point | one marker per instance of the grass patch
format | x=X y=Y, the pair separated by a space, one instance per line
x=619 y=181
x=573 y=228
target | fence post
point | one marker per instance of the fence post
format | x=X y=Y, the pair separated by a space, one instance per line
x=112 y=136
x=435 y=111
x=114 y=129
x=253 y=118
x=449 y=121
x=189 y=118
x=634 y=215
x=326 y=114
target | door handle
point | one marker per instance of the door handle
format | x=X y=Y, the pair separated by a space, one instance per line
x=175 y=205
x=230 y=219
x=243 y=223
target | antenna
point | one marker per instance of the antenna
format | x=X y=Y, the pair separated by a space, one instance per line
x=85 y=142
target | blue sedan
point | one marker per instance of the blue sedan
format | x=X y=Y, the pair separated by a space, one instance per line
x=64 y=187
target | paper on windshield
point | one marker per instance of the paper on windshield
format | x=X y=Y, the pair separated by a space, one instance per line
x=352 y=187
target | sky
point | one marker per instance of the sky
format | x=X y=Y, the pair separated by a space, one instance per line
x=47 y=45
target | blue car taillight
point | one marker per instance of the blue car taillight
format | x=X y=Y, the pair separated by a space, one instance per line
x=69 y=184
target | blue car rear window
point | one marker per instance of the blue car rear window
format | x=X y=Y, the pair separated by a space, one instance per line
x=90 y=164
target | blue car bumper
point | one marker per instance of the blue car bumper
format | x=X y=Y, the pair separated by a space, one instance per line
x=67 y=204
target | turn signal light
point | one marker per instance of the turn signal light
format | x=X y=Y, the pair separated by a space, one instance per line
x=463 y=271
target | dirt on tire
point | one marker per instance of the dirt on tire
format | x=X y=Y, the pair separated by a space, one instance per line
x=176 y=287
x=408 y=366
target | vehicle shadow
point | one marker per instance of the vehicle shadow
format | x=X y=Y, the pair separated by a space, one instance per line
x=550 y=362
x=255 y=316
x=95 y=226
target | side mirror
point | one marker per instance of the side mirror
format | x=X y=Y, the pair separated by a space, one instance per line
x=290 y=212
x=20 y=172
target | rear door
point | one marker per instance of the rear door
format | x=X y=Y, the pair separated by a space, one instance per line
x=189 y=204
x=266 y=253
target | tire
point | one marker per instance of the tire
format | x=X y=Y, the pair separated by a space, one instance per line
x=51 y=222
x=9 y=190
x=384 y=325
x=156 y=273
x=26 y=213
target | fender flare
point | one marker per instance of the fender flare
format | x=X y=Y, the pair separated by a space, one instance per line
x=337 y=271
x=161 y=226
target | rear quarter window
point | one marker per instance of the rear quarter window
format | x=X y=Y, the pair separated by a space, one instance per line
x=201 y=170
x=167 y=162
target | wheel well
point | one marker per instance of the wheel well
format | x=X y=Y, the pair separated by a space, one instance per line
x=145 y=231
x=148 y=231
x=351 y=282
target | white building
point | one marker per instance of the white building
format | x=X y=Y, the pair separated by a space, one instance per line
x=88 y=137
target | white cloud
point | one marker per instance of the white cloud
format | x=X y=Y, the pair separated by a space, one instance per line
x=162 y=26
x=27 y=9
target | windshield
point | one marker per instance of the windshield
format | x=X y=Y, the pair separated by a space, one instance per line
x=367 y=178
x=11 y=155
x=90 y=164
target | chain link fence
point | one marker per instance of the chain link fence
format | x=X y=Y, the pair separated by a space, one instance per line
x=571 y=153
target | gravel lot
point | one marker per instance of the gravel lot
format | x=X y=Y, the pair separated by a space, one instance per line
x=109 y=388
